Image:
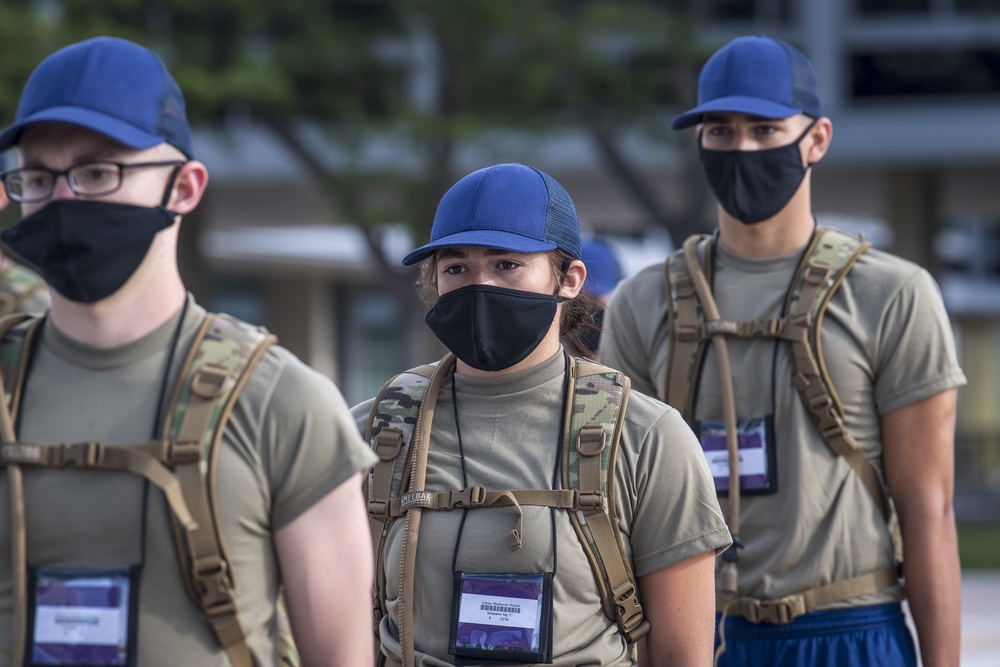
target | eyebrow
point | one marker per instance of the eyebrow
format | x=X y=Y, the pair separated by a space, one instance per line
x=99 y=155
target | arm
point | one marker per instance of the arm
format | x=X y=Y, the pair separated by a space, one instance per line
x=679 y=603
x=327 y=566
x=919 y=443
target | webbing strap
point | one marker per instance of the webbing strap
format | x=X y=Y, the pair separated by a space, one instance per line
x=12 y=359
x=418 y=477
x=93 y=455
x=786 y=609
x=829 y=257
x=219 y=363
x=594 y=455
x=687 y=335
x=397 y=403
x=728 y=572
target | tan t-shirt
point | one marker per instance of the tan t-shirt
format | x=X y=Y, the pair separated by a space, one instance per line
x=289 y=442
x=510 y=430
x=887 y=343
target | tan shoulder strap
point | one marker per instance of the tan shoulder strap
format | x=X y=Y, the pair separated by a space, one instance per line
x=595 y=413
x=13 y=353
x=218 y=365
x=391 y=422
x=685 y=324
x=829 y=257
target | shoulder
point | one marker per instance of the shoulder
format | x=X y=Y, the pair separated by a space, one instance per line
x=880 y=277
x=650 y=417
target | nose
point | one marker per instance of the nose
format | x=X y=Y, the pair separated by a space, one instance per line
x=61 y=189
x=742 y=140
x=482 y=276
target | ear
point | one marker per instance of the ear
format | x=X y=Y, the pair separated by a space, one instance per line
x=820 y=134
x=573 y=280
x=189 y=186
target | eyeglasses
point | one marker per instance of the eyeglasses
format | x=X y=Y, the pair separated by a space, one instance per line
x=88 y=179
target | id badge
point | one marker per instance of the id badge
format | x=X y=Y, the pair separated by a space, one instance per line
x=502 y=618
x=82 y=617
x=755 y=444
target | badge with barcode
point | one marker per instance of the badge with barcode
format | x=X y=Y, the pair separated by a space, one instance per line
x=82 y=617
x=502 y=617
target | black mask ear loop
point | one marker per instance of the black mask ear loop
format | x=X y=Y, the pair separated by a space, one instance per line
x=170 y=187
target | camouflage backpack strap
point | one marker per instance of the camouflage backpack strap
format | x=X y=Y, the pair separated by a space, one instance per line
x=218 y=365
x=16 y=334
x=827 y=260
x=391 y=424
x=685 y=327
x=15 y=331
x=598 y=397
x=17 y=283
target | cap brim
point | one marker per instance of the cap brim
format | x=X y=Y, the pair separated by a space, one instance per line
x=751 y=106
x=483 y=238
x=114 y=128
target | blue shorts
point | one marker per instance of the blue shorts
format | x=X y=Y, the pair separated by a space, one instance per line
x=874 y=636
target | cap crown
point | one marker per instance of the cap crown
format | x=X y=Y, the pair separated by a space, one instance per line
x=508 y=207
x=110 y=86
x=758 y=76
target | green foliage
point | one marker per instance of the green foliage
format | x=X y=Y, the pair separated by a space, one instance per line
x=979 y=546
x=346 y=66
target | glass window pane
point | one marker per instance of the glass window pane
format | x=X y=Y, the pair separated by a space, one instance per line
x=932 y=74
x=893 y=6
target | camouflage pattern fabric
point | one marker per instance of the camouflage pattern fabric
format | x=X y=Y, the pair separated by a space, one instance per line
x=17 y=283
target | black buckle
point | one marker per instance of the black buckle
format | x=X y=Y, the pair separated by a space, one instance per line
x=83 y=454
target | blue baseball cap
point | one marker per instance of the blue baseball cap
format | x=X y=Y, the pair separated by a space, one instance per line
x=759 y=76
x=110 y=86
x=508 y=207
x=603 y=270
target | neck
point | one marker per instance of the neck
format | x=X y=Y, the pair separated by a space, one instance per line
x=786 y=232
x=123 y=317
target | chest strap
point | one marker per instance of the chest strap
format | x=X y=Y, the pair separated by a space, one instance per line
x=144 y=460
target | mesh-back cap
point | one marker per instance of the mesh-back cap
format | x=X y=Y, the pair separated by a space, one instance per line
x=110 y=86
x=758 y=76
x=509 y=207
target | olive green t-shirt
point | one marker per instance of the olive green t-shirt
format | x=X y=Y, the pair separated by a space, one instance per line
x=289 y=442
x=887 y=343
x=510 y=437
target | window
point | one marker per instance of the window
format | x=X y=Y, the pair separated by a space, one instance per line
x=751 y=10
x=869 y=7
x=372 y=344
x=972 y=72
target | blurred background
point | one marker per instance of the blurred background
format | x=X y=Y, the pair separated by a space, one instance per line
x=331 y=129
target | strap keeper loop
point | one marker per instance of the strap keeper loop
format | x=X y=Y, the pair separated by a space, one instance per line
x=589 y=501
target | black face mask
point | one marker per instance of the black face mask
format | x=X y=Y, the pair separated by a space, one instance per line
x=753 y=186
x=86 y=250
x=492 y=328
